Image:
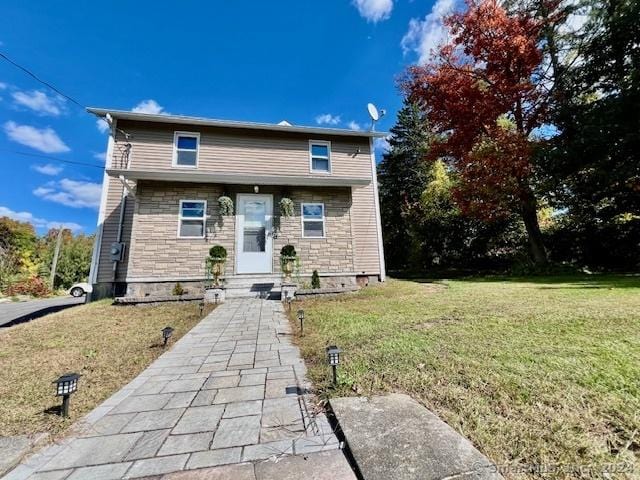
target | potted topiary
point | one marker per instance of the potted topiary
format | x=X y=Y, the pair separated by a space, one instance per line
x=287 y=260
x=218 y=257
x=214 y=292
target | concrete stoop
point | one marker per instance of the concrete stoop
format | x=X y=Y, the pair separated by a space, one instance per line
x=394 y=437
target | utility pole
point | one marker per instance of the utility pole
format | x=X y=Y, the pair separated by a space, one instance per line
x=54 y=264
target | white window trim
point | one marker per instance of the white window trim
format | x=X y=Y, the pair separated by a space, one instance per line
x=323 y=220
x=204 y=218
x=174 y=162
x=324 y=143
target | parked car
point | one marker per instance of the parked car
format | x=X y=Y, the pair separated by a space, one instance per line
x=80 y=289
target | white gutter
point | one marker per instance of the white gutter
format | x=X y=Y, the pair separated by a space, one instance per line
x=211 y=122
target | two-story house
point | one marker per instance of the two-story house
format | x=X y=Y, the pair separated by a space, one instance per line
x=160 y=214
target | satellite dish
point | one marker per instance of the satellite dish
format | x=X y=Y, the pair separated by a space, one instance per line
x=374 y=114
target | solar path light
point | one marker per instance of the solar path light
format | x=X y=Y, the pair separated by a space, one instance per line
x=166 y=335
x=333 y=359
x=301 y=319
x=65 y=386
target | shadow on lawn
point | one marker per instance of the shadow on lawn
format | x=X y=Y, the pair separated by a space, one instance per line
x=558 y=282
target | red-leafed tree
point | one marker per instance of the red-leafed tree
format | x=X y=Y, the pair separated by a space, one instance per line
x=483 y=91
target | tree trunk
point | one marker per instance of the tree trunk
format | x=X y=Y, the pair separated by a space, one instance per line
x=530 y=218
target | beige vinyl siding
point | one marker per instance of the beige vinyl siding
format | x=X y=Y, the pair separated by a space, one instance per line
x=110 y=231
x=244 y=151
x=365 y=230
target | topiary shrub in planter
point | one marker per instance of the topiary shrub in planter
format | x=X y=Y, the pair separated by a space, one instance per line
x=287 y=260
x=215 y=263
x=315 y=279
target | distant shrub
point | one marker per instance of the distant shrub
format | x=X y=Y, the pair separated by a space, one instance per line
x=34 y=286
x=177 y=289
x=315 y=279
x=288 y=251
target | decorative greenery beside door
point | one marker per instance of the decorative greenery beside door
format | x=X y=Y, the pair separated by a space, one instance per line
x=286 y=207
x=226 y=206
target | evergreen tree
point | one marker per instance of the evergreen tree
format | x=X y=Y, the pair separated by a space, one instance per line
x=402 y=176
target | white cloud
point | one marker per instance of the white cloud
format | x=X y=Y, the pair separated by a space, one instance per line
x=327 y=119
x=425 y=36
x=43 y=139
x=37 y=222
x=3 y=86
x=354 y=126
x=381 y=145
x=374 y=10
x=48 y=169
x=72 y=193
x=102 y=156
x=149 y=106
x=102 y=125
x=40 y=102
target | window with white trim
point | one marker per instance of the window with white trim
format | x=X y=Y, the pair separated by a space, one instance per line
x=313 y=220
x=185 y=149
x=193 y=219
x=320 y=156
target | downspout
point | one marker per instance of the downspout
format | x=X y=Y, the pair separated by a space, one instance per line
x=123 y=206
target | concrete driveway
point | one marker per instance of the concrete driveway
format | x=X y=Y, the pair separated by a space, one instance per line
x=12 y=313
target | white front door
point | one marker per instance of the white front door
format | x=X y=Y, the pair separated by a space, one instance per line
x=253 y=233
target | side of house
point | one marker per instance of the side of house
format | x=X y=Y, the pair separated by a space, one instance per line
x=159 y=213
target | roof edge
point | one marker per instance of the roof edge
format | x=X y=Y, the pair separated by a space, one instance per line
x=211 y=122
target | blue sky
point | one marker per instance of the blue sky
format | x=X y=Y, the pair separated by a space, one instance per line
x=309 y=62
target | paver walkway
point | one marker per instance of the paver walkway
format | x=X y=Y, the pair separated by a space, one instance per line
x=230 y=392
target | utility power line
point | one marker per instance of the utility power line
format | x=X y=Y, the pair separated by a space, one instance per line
x=48 y=85
x=47 y=157
x=55 y=89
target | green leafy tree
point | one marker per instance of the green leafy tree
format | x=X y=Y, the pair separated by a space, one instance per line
x=74 y=260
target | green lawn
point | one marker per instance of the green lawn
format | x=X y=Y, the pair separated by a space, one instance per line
x=109 y=345
x=542 y=371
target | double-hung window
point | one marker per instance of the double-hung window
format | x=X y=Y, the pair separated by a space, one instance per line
x=320 y=156
x=193 y=219
x=313 y=220
x=185 y=149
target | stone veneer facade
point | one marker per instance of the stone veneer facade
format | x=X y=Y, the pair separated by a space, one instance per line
x=158 y=258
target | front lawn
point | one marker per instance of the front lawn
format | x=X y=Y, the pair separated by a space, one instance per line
x=108 y=345
x=535 y=372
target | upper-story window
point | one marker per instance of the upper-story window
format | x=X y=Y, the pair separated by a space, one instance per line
x=320 y=156
x=185 y=149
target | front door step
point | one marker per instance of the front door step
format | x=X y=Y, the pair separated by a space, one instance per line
x=395 y=437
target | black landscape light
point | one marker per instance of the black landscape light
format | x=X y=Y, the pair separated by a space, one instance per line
x=166 y=335
x=301 y=319
x=65 y=386
x=215 y=296
x=333 y=358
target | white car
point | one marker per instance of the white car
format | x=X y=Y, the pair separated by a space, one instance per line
x=80 y=289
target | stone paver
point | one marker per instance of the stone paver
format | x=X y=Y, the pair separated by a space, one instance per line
x=221 y=403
